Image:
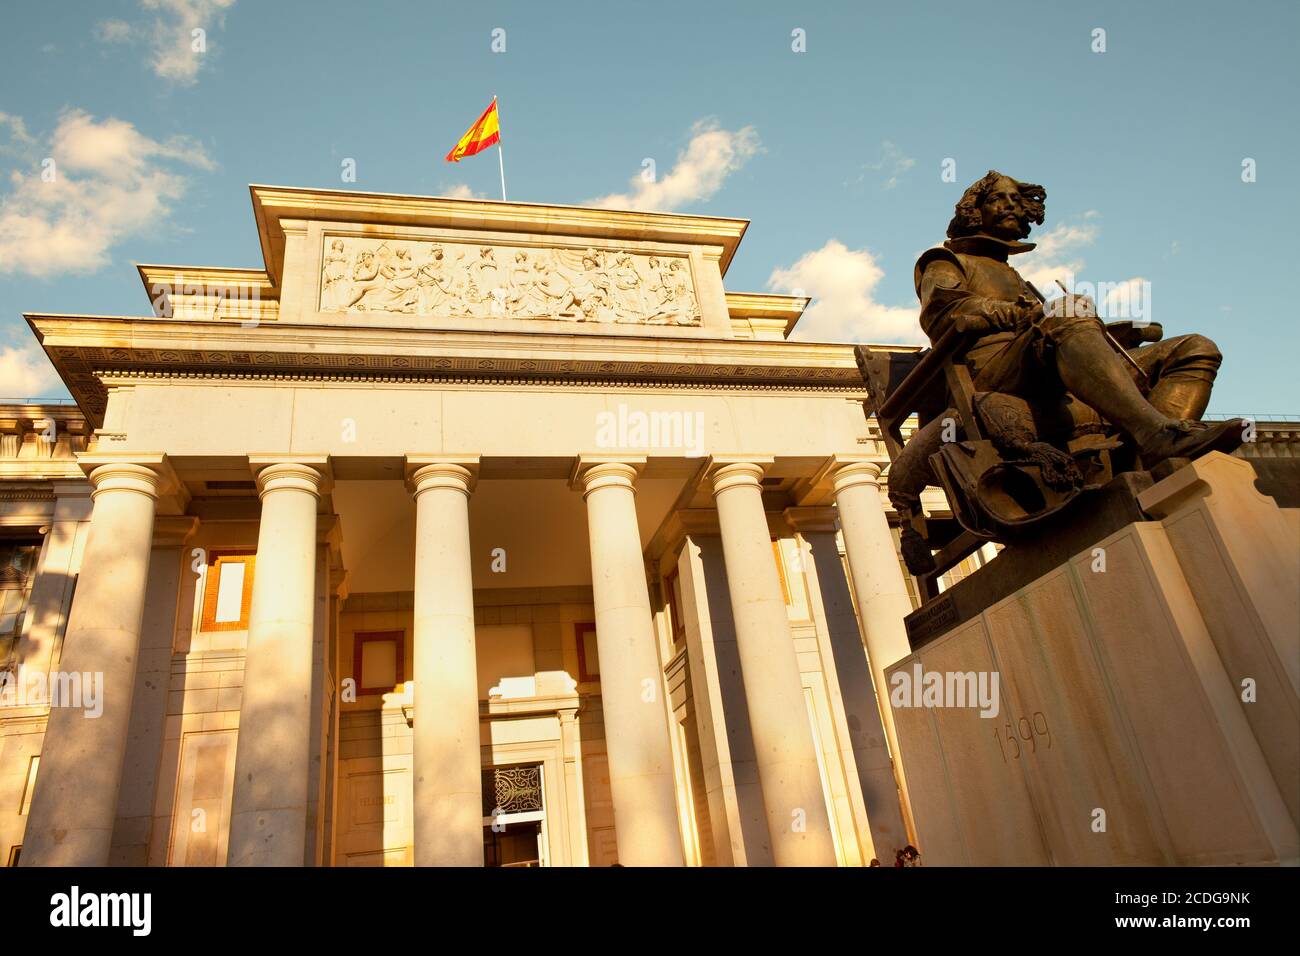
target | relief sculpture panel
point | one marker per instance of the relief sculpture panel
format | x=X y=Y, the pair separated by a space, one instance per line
x=453 y=280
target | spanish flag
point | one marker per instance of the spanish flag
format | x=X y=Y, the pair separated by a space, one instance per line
x=485 y=132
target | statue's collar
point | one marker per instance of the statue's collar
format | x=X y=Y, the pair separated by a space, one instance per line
x=991 y=246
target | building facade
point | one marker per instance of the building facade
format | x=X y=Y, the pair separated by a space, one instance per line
x=463 y=532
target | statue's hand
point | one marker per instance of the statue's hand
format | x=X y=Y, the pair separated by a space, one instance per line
x=1131 y=334
x=1070 y=306
x=1027 y=310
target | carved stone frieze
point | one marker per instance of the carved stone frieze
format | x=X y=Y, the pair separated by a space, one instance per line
x=463 y=280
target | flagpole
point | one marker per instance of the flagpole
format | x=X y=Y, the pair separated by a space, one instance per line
x=500 y=155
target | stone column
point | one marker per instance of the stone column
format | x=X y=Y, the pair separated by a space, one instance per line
x=878 y=585
x=168 y=567
x=268 y=821
x=631 y=681
x=448 y=785
x=75 y=802
x=774 y=696
x=735 y=794
x=51 y=598
x=846 y=660
x=574 y=817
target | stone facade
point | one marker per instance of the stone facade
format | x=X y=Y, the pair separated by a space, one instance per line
x=461 y=532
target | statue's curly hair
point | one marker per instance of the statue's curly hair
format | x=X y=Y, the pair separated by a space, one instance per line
x=966 y=220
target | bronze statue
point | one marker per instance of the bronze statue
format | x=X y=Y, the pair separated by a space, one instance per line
x=1026 y=404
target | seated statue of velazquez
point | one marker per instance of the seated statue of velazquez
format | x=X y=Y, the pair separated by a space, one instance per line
x=1044 y=373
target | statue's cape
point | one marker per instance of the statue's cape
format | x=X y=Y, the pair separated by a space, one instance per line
x=977 y=245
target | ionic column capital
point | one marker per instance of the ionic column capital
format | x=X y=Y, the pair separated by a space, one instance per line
x=852 y=473
x=442 y=475
x=726 y=472
x=309 y=473
x=289 y=476
x=610 y=474
x=593 y=472
x=125 y=476
x=433 y=472
x=145 y=473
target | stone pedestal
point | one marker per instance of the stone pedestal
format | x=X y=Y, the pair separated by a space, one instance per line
x=1146 y=710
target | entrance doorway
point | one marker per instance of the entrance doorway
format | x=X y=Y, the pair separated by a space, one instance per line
x=514 y=816
x=518 y=844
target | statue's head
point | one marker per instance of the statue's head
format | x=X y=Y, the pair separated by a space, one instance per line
x=998 y=206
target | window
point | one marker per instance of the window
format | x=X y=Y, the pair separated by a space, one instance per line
x=378 y=664
x=227 y=591
x=588 y=663
x=913 y=589
x=966 y=567
x=17 y=573
x=514 y=816
x=673 y=591
x=781 y=571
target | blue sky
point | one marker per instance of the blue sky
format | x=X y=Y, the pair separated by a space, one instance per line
x=835 y=154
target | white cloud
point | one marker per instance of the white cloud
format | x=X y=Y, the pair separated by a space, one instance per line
x=702 y=167
x=1057 y=256
x=842 y=283
x=171 y=36
x=1129 y=299
x=14 y=138
x=110 y=181
x=892 y=162
x=26 y=372
x=112 y=31
x=460 y=191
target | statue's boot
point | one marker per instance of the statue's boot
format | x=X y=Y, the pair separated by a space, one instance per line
x=1096 y=375
x=1090 y=368
x=1190 y=439
x=1181 y=398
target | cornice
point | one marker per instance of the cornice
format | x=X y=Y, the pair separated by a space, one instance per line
x=271 y=204
x=764 y=305
x=39 y=469
x=89 y=350
x=37 y=411
x=160 y=281
x=43 y=493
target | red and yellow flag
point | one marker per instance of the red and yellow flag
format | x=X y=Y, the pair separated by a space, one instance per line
x=485 y=132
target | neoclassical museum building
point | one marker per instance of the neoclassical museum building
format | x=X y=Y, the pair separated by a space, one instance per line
x=461 y=533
